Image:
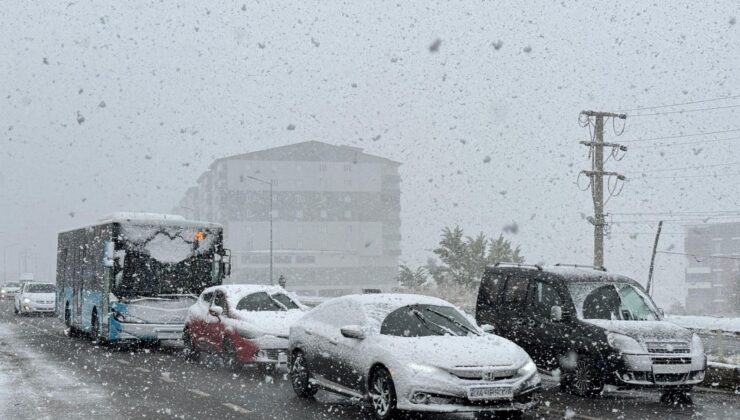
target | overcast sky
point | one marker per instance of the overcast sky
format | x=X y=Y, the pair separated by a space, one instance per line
x=109 y=106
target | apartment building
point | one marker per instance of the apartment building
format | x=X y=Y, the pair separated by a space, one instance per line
x=335 y=216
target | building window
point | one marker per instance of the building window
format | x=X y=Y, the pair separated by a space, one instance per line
x=241 y=178
x=348 y=214
x=299 y=198
x=323 y=214
x=347 y=199
x=347 y=182
x=322 y=167
x=283 y=259
x=305 y=259
x=347 y=168
x=299 y=214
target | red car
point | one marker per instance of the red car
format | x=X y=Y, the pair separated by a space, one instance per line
x=245 y=324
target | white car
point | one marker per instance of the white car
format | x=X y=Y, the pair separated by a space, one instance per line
x=410 y=353
x=36 y=298
x=9 y=290
x=245 y=324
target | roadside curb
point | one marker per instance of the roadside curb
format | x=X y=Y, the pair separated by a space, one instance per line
x=722 y=376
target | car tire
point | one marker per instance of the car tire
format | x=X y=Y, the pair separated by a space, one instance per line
x=228 y=353
x=300 y=376
x=585 y=380
x=192 y=352
x=382 y=394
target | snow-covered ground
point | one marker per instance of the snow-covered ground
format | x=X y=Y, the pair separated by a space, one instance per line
x=706 y=323
x=32 y=388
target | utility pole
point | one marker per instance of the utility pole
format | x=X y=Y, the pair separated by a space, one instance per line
x=597 y=173
x=270 y=182
x=652 y=258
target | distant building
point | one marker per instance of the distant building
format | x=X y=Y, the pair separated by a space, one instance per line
x=336 y=216
x=713 y=272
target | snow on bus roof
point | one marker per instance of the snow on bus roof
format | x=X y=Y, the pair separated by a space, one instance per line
x=156 y=219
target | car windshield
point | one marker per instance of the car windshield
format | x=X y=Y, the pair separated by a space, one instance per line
x=613 y=301
x=40 y=288
x=426 y=320
x=262 y=302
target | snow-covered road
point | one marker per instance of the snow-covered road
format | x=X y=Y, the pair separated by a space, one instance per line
x=47 y=375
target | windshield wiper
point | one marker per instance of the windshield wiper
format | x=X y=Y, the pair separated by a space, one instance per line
x=427 y=322
x=453 y=320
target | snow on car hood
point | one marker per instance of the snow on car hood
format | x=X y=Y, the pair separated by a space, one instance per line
x=275 y=323
x=448 y=352
x=644 y=330
x=160 y=311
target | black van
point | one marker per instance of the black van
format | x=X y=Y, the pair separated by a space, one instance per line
x=591 y=327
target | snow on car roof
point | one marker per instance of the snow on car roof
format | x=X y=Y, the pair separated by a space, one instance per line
x=585 y=274
x=235 y=292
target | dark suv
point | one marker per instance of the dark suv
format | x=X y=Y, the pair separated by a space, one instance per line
x=596 y=328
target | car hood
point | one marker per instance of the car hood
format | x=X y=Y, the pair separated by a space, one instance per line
x=275 y=323
x=644 y=330
x=448 y=352
x=40 y=296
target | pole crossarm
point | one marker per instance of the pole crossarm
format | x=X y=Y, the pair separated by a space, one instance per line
x=604 y=114
x=605 y=144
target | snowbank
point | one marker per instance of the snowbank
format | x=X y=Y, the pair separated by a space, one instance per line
x=706 y=323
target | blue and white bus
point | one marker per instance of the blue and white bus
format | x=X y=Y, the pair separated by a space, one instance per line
x=132 y=276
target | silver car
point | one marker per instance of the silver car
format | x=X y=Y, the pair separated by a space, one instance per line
x=410 y=353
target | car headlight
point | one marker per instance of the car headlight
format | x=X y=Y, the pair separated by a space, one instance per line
x=419 y=368
x=249 y=333
x=697 y=346
x=624 y=343
x=122 y=317
x=26 y=300
x=528 y=369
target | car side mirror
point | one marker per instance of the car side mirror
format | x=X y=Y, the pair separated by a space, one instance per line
x=661 y=312
x=488 y=328
x=216 y=311
x=556 y=313
x=353 y=331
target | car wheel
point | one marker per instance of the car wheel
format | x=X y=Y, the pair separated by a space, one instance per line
x=228 y=353
x=382 y=394
x=192 y=353
x=300 y=376
x=584 y=380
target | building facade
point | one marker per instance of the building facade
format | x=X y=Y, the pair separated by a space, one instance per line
x=713 y=270
x=335 y=216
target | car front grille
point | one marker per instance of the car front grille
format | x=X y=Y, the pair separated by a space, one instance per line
x=484 y=373
x=669 y=347
x=671 y=360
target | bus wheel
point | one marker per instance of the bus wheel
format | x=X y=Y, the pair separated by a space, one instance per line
x=94 y=327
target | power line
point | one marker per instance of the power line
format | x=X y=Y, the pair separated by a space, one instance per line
x=722 y=98
x=719 y=257
x=682 y=135
x=685 y=111
x=684 y=168
x=694 y=176
x=669 y=213
x=684 y=143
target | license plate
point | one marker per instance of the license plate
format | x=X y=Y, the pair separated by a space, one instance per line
x=662 y=369
x=169 y=335
x=490 y=393
x=282 y=359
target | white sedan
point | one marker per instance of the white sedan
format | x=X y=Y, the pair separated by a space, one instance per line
x=35 y=298
x=411 y=353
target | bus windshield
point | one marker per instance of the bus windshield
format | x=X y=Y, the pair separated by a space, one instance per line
x=154 y=260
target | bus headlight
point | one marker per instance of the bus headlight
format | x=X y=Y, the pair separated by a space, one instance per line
x=126 y=318
x=697 y=346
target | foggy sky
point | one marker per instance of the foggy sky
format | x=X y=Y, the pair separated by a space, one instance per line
x=164 y=88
